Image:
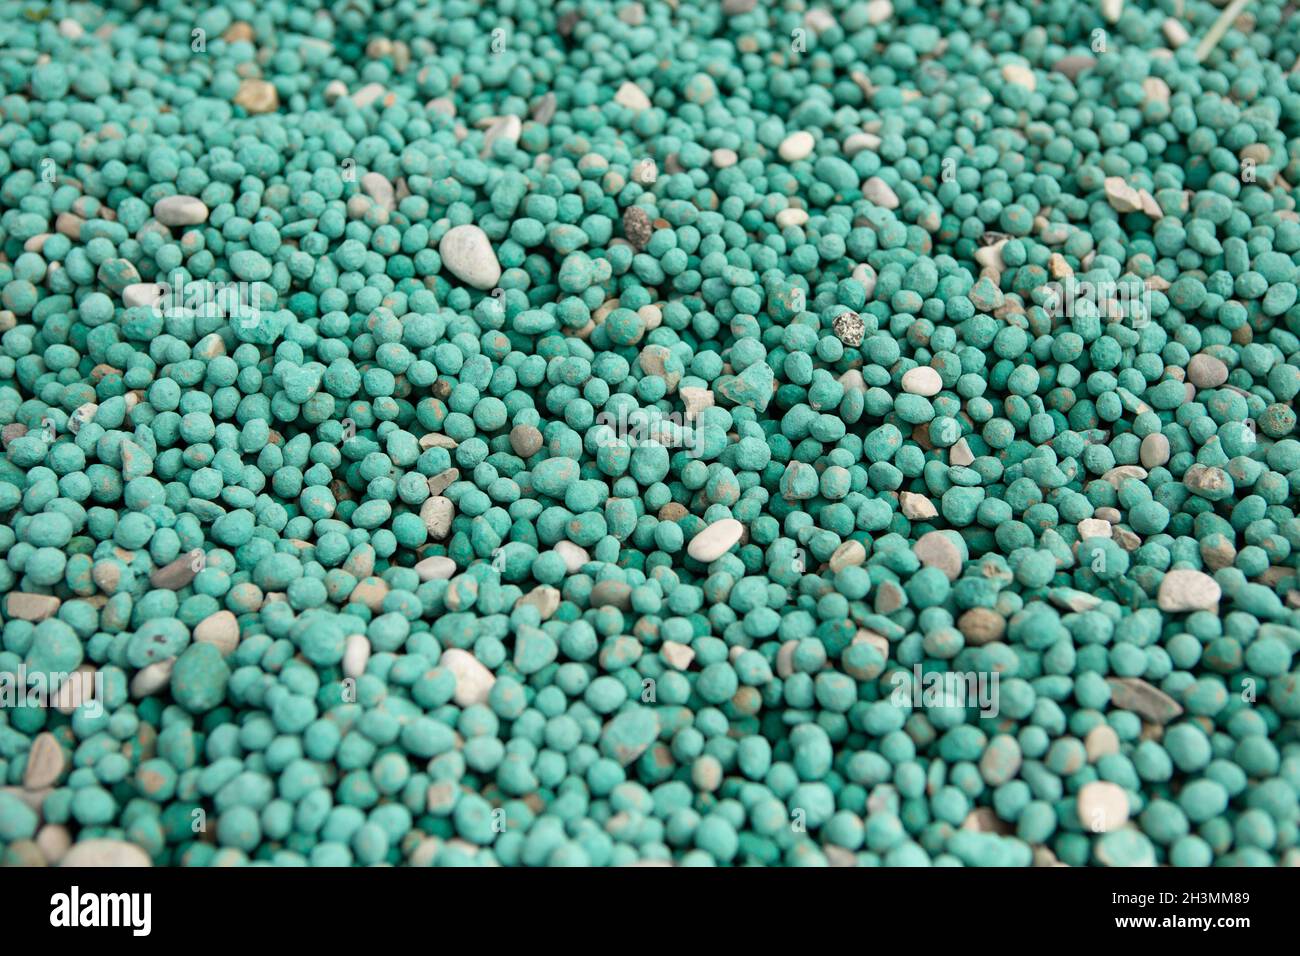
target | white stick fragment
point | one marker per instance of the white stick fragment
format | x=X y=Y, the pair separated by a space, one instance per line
x=1220 y=27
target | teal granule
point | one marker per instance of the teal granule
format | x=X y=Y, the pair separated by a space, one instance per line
x=598 y=432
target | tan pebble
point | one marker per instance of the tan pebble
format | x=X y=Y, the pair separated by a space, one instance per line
x=31 y=607
x=257 y=96
x=1206 y=371
x=981 y=625
x=45 y=762
x=935 y=549
x=220 y=629
x=1154 y=450
x=1101 y=741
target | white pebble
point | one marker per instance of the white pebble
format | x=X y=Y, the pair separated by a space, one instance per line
x=153 y=678
x=473 y=680
x=573 y=556
x=378 y=188
x=143 y=293
x=878 y=11
x=1019 y=75
x=1102 y=806
x=922 y=380
x=104 y=853
x=677 y=656
x=1121 y=196
x=796 y=146
x=857 y=142
x=917 y=507
x=436 y=568
x=436 y=513
x=180 y=211
x=879 y=192
x=632 y=96
x=356 y=654
x=715 y=540
x=792 y=216
x=469 y=256
x=1186 y=590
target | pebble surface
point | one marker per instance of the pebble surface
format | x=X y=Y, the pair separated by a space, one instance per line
x=587 y=436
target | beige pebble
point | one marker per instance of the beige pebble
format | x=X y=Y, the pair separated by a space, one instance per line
x=437 y=440
x=612 y=594
x=632 y=97
x=1102 y=806
x=574 y=557
x=105 y=853
x=922 y=380
x=473 y=679
x=468 y=255
x=936 y=550
x=724 y=158
x=1094 y=528
x=879 y=11
x=180 y=211
x=696 y=400
x=378 y=188
x=715 y=540
x=175 y=574
x=368 y=95
x=796 y=146
x=879 y=192
x=220 y=629
x=1122 y=473
x=849 y=554
x=31 y=607
x=1154 y=450
x=443 y=480
x=1101 y=741
x=543 y=597
x=1020 y=75
x=1121 y=196
x=437 y=513
x=785 y=659
x=791 y=217
x=54 y=841
x=677 y=656
x=860 y=142
x=1111 y=9
x=1183 y=589
x=257 y=96
x=917 y=507
x=981 y=625
x=525 y=440
x=151 y=679
x=1175 y=33
x=960 y=453
x=1206 y=371
x=45 y=762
